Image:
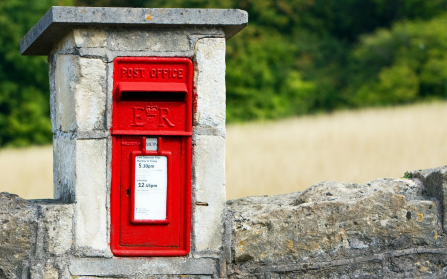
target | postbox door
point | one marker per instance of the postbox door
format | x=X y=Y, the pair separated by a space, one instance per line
x=151 y=234
x=151 y=187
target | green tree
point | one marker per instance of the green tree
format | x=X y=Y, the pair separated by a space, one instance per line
x=294 y=57
x=24 y=93
x=405 y=63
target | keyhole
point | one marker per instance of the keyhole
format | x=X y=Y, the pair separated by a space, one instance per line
x=127 y=191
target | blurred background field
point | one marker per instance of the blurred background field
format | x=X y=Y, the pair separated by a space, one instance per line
x=311 y=59
x=27 y=172
x=350 y=146
x=275 y=157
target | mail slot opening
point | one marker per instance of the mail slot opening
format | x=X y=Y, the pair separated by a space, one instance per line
x=152 y=96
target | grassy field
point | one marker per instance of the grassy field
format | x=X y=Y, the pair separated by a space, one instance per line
x=27 y=172
x=291 y=155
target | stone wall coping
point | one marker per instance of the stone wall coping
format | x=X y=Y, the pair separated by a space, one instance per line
x=59 y=20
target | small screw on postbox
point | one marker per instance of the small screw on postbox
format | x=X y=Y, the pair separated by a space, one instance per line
x=151 y=156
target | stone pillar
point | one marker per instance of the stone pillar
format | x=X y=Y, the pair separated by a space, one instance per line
x=81 y=44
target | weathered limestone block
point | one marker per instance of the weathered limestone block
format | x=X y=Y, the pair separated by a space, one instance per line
x=64 y=167
x=209 y=75
x=18 y=230
x=91 y=195
x=111 y=43
x=57 y=223
x=90 y=37
x=81 y=38
x=143 y=276
x=64 y=117
x=146 y=40
x=140 y=267
x=91 y=96
x=40 y=271
x=332 y=221
x=209 y=188
x=408 y=266
x=79 y=101
x=80 y=171
x=33 y=231
x=435 y=183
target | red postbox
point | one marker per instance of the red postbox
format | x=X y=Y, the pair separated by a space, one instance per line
x=151 y=156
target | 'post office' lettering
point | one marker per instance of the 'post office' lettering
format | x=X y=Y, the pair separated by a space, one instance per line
x=165 y=73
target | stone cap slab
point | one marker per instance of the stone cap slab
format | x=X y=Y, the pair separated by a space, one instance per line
x=59 y=20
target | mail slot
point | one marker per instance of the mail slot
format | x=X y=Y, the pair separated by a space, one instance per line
x=151 y=156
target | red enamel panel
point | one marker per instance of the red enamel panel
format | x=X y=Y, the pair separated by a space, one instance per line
x=152 y=97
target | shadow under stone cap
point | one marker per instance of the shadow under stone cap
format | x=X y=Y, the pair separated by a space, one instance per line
x=59 y=20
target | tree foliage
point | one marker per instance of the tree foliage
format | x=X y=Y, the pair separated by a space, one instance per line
x=24 y=93
x=401 y=64
x=294 y=57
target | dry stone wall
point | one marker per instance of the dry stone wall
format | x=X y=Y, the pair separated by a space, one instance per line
x=36 y=237
x=387 y=228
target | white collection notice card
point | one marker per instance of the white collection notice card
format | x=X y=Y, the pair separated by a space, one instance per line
x=151 y=185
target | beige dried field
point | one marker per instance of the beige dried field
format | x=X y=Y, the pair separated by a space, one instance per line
x=27 y=172
x=290 y=155
x=351 y=146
